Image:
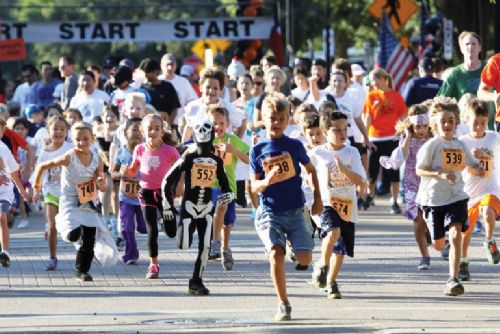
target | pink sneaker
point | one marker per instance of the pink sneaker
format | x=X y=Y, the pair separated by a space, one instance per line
x=153 y=272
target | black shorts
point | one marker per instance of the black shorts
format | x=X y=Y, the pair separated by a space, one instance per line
x=383 y=148
x=150 y=197
x=361 y=148
x=330 y=220
x=439 y=218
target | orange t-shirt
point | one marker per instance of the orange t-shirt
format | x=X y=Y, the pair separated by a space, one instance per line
x=491 y=77
x=385 y=109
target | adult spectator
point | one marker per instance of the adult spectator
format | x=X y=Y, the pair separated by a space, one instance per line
x=490 y=79
x=425 y=87
x=274 y=78
x=23 y=94
x=300 y=76
x=189 y=74
x=318 y=69
x=183 y=87
x=89 y=100
x=97 y=70
x=383 y=108
x=67 y=70
x=43 y=89
x=163 y=95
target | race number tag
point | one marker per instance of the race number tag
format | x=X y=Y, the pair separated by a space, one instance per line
x=130 y=188
x=203 y=175
x=343 y=207
x=225 y=156
x=487 y=163
x=452 y=159
x=87 y=191
x=286 y=169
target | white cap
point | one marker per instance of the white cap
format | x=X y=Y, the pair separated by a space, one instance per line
x=357 y=69
x=235 y=69
x=186 y=70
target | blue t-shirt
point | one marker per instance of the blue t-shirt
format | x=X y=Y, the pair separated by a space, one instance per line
x=420 y=89
x=287 y=194
x=42 y=92
x=124 y=157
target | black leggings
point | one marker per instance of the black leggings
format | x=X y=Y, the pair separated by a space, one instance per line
x=151 y=204
x=85 y=254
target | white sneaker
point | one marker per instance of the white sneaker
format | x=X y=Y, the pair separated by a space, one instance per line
x=23 y=223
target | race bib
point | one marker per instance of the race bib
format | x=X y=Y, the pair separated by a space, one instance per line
x=284 y=162
x=452 y=159
x=225 y=156
x=203 y=175
x=87 y=191
x=343 y=206
x=487 y=163
x=130 y=188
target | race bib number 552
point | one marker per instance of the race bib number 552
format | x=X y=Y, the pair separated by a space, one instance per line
x=284 y=164
x=203 y=175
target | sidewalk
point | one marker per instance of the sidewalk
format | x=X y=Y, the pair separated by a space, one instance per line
x=382 y=290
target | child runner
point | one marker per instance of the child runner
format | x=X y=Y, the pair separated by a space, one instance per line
x=130 y=208
x=51 y=182
x=230 y=149
x=340 y=170
x=82 y=175
x=72 y=116
x=275 y=173
x=153 y=159
x=484 y=191
x=416 y=132
x=441 y=195
x=8 y=177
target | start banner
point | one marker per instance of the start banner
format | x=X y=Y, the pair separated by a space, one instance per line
x=229 y=28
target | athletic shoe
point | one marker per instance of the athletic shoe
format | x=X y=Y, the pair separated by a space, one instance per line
x=120 y=244
x=284 y=312
x=227 y=260
x=395 y=209
x=445 y=252
x=196 y=287
x=492 y=252
x=23 y=224
x=425 y=263
x=478 y=229
x=454 y=287
x=463 y=273
x=214 y=250
x=83 y=277
x=367 y=202
x=319 y=276
x=153 y=272
x=130 y=262
x=51 y=264
x=5 y=260
x=333 y=291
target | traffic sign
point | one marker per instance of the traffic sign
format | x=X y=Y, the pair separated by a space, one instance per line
x=398 y=11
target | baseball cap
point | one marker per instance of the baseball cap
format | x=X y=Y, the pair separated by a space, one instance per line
x=357 y=69
x=186 y=70
x=426 y=64
x=31 y=109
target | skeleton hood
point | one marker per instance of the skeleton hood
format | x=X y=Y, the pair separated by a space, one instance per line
x=203 y=135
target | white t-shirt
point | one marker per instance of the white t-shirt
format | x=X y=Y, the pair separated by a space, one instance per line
x=195 y=110
x=90 y=106
x=118 y=97
x=476 y=187
x=22 y=96
x=300 y=94
x=436 y=191
x=51 y=181
x=347 y=106
x=185 y=92
x=10 y=166
x=333 y=183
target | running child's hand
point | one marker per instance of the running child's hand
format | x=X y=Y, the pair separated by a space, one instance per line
x=123 y=170
x=271 y=176
x=25 y=194
x=317 y=207
x=36 y=195
x=450 y=176
x=225 y=147
x=479 y=170
x=101 y=181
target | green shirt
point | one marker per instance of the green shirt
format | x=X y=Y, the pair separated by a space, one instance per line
x=231 y=159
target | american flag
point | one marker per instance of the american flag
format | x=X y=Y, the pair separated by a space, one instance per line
x=392 y=56
x=425 y=38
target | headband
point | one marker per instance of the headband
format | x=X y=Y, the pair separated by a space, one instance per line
x=419 y=119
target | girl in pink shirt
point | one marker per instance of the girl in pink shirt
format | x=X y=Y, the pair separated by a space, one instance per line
x=152 y=159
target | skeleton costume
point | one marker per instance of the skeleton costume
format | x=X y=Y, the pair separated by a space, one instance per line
x=200 y=168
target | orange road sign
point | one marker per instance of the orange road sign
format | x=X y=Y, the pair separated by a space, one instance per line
x=398 y=11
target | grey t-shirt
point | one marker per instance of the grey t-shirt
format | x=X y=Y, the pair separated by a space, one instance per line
x=69 y=90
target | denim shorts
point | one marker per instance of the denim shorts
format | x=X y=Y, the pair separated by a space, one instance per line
x=274 y=228
x=4 y=206
x=230 y=216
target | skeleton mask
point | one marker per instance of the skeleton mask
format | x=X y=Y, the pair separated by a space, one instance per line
x=203 y=132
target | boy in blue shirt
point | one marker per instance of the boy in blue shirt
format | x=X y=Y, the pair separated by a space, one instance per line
x=275 y=174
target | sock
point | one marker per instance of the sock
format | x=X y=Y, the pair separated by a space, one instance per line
x=464 y=259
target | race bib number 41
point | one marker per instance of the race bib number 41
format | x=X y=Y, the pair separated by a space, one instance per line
x=284 y=164
x=203 y=175
x=87 y=191
x=452 y=159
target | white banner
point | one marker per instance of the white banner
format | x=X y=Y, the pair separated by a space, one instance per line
x=229 y=28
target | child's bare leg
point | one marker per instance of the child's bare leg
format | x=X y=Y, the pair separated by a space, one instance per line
x=5 y=234
x=455 y=235
x=51 y=212
x=277 y=264
x=335 y=265
x=489 y=220
x=327 y=246
x=419 y=228
x=226 y=229
x=220 y=212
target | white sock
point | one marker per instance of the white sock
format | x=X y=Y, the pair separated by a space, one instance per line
x=464 y=259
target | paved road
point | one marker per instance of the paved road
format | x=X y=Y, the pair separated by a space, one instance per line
x=382 y=290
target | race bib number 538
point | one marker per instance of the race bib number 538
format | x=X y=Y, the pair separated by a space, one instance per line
x=283 y=163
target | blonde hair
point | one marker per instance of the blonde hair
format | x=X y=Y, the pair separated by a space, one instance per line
x=475 y=107
x=80 y=126
x=380 y=73
x=271 y=70
x=463 y=103
x=135 y=97
x=404 y=124
x=442 y=104
x=275 y=103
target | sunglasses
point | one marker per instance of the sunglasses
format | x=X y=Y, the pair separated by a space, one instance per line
x=258 y=83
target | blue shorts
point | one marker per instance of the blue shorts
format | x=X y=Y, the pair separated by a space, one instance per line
x=331 y=220
x=274 y=228
x=230 y=216
x=4 y=206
